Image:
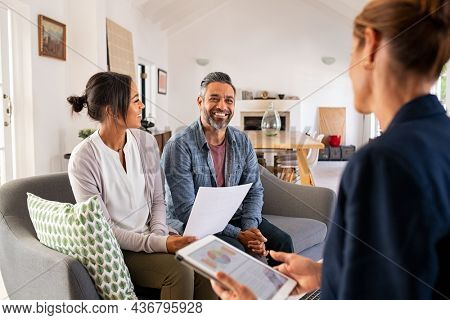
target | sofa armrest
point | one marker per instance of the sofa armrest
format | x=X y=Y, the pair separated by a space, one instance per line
x=291 y=200
x=31 y=270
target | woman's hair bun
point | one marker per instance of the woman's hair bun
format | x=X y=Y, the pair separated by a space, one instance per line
x=437 y=10
x=78 y=103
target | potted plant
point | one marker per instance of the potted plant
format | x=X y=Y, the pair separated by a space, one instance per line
x=84 y=133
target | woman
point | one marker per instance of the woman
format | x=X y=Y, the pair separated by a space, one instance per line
x=390 y=237
x=120 y=164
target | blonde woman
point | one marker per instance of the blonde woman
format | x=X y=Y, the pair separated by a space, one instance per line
x=390 y=237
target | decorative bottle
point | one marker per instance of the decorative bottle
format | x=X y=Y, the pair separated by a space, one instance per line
x=271 y=122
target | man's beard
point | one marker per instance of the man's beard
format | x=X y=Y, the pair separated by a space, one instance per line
x=217 y=124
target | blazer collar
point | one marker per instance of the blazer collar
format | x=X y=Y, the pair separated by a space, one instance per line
x=420 y=107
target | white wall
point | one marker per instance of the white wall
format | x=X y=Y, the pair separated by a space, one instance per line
x=55 y=130
x=266 y=45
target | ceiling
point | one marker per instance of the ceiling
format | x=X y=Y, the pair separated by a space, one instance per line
x=174 y=15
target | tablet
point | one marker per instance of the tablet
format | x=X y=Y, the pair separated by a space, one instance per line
x=210 y=255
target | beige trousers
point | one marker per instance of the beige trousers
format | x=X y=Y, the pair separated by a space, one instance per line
x=163 y=271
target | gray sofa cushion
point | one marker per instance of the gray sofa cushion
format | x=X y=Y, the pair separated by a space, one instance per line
x=305 y=233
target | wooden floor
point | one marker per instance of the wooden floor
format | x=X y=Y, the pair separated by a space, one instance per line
x=326 y=174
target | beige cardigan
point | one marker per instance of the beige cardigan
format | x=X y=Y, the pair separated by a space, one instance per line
x=87 y=181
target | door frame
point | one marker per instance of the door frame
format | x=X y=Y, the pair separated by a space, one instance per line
x=21 y=29
x=7 y=152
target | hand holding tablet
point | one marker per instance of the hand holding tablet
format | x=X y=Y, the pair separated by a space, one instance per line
x=211 y=255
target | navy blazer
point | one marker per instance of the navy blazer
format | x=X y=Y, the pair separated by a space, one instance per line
x=390 y=235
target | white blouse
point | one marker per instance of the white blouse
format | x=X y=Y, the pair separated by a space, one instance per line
x=124 y=194
x=95 y=170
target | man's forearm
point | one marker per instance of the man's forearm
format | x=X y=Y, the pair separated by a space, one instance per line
x=231 y=231
x=251 y=222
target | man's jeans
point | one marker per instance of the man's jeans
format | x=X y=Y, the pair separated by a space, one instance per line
x=277 y=239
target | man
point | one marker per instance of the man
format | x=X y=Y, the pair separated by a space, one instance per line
x=209 y=153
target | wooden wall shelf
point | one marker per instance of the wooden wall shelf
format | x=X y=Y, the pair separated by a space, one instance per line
x=261 y=104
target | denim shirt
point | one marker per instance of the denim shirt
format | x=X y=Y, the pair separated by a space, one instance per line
x=188 y=165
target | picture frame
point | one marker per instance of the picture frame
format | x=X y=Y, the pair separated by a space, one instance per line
x=52 y=38
x=162 y=81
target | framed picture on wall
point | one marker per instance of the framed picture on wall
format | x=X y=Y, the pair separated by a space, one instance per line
x=52 y=38
x=162 y=81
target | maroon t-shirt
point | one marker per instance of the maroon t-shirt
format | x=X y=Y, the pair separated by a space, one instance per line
x=218 y=155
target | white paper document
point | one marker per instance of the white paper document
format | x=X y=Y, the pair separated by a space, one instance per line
x=213 y=208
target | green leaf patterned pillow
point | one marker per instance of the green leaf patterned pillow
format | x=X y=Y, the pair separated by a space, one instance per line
x=82 y=232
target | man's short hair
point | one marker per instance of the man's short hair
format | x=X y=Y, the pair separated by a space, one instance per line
x=215 y=77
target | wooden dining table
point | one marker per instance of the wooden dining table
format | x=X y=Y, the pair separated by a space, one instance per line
x=288 y=140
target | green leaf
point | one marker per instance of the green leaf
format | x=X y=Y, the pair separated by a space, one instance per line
x=91 y=270
x=107 y=245
x=84 y=252
x=106 y=289
x=92 y=251
x=90 y=229
x=100 y=260
x=99 y=249
x=98 y=226
x=91 y=206
x=91 y=240
x=98 y=238
x=100 y=270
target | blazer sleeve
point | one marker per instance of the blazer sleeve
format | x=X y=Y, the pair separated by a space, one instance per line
x=382 y=234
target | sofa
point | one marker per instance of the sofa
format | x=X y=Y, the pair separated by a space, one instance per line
x=31 y=270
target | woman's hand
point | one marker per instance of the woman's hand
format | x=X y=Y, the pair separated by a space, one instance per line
x=176 y=242
x=234 y=290
x=305 y=271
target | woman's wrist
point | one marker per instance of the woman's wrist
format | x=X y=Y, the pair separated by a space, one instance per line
x=318 y=272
